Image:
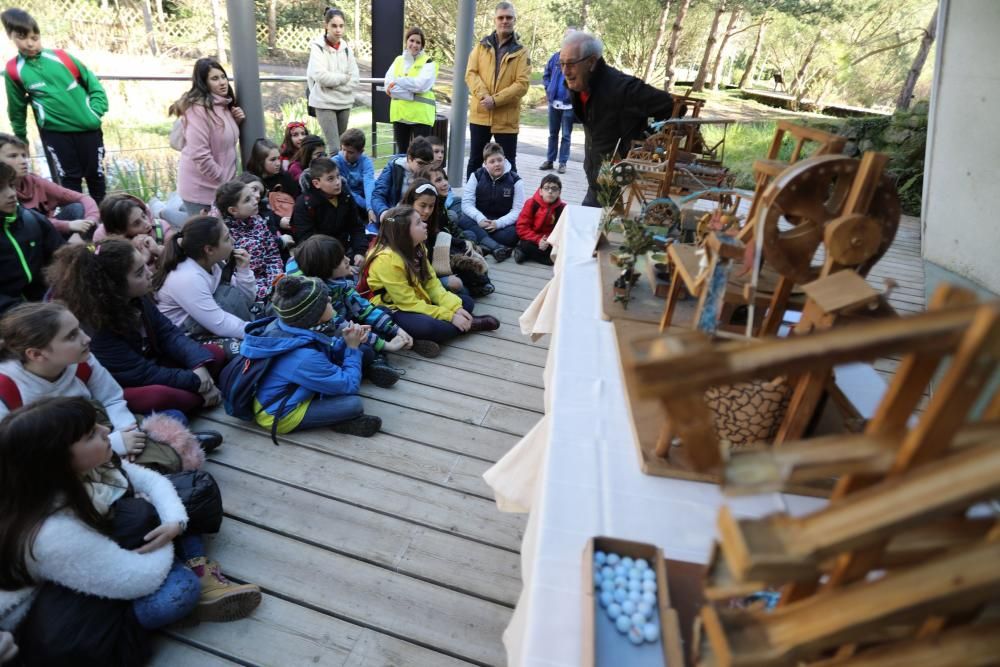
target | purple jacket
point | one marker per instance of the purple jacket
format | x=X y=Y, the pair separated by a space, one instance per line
x=209 y=156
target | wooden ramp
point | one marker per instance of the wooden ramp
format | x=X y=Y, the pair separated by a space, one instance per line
x=386 y=550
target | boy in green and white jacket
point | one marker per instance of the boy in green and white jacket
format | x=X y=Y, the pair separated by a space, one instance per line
x=68 y=101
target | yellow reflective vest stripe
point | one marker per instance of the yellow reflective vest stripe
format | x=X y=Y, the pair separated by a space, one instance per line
x=421 y=109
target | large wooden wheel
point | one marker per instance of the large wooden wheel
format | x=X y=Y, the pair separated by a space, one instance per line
x=799 y=205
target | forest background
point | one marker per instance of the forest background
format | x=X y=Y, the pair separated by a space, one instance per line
x=868 y=54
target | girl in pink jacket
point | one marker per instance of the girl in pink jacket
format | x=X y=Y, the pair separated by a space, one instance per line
x=211 y=121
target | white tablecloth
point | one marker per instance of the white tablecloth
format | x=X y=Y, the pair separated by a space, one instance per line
x=577 y=472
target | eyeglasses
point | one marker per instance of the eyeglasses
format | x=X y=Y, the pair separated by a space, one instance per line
x=571 y=63
x=506 y=18
x=551 y=188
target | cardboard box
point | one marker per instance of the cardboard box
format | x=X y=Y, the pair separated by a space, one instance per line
x=670 y=635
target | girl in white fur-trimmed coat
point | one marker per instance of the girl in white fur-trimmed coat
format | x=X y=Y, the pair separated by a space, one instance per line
x=65 y=497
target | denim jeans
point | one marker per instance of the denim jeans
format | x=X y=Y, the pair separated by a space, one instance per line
x=178 y=594
x=479 y=136
x=72 y=211
x=559 y=119
x=506 y=236
x=330 y=410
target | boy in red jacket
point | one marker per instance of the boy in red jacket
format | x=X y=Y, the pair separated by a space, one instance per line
x=537 y=220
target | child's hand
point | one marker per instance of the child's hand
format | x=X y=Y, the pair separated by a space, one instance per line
x=488 y=225
x=212 y=397
x=206 y=380
x=453 y=283
x=462 y=319
x=396 y=344
x=353 y=334
x=81 y=226
x=544 y=243
x=405 y=336
x=287 y=240
x=160 y=536
x=134 y=441
x=238 y=114
x=241 y=257
x=371 y=216
x=285 y=223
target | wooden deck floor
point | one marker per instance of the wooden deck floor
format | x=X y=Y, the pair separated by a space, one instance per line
x=386 y=550
x=389 y=550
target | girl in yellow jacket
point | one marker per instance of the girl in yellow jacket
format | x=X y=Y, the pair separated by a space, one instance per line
x=398 y=276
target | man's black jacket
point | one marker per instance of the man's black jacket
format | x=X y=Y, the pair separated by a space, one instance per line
x=617 y=111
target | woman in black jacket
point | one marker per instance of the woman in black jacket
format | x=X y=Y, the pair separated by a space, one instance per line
x=108 y=289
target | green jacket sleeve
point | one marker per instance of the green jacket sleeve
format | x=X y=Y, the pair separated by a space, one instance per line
x=17 y=108
x=98 y=98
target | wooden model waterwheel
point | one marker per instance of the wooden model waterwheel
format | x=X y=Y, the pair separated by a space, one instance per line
x=818 y=201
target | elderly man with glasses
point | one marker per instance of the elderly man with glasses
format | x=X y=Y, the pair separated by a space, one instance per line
x=613 y=107
x=497 y=76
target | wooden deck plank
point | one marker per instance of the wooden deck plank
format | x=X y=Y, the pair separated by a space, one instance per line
x=506 y=301
x=393 y=604
x=484 y=364
x=512 y=333
x=506 y=418
x=169 y=652
x=472 y=383
x=380 y=451
x=506 y=349
x=432 y=505
x=450 y=434
x=513 y=289
x=386 y=541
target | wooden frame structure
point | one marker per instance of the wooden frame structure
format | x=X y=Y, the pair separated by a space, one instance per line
x=896 y=564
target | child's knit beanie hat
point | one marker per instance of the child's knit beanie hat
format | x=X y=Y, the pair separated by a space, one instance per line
x=300 y=301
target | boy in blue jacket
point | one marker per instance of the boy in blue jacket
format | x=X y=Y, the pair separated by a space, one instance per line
x=312 y=380
x=395 y=179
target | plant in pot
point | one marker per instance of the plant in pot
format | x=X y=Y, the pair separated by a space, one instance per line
x=638 y=241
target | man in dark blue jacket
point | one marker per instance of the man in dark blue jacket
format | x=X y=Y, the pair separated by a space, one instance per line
x=560 y=112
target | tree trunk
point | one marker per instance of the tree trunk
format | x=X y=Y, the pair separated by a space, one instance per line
x=357 y=22
x=699 y=81
x=272 y=24
x=675 y=34
x=220 y=38
x=906 y=94
x=747 y=77
x=800 y=75
x=661 y=34
x=584 y=14
x=714 y=83
x=147 y=19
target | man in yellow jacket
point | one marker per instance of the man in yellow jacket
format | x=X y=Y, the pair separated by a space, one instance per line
x=497 y=76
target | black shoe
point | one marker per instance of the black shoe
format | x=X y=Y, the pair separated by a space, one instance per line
x=501 y=253
x=545 y=166
x=382 y=374
x=519 y=256
x=364 y=426
x=209 y=440
x=479 y=291
x=426 y=348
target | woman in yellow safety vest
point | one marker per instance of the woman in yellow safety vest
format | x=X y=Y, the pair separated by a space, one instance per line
x=410 y=82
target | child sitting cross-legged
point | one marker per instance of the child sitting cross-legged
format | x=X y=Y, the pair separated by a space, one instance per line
x=322 y=256
x=491 y=201
x=97 y=551
x=312 y=380
x=237 y=203
x=399 y=276
x=537 y=220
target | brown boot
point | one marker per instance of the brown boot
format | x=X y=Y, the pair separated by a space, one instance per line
x=222 y=600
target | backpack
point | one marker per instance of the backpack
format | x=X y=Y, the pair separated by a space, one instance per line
x=238 y=384
x=59 y=53
x=11 y=395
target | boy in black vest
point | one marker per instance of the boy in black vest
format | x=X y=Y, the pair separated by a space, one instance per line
x=491 y=201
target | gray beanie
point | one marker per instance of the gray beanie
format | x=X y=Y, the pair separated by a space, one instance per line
x=300 y=301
